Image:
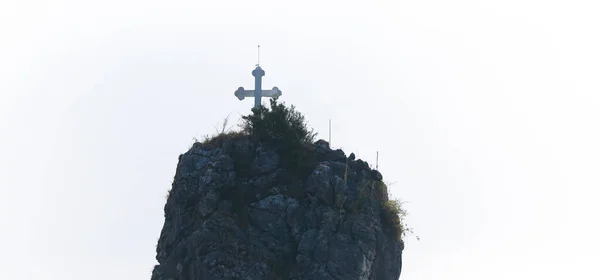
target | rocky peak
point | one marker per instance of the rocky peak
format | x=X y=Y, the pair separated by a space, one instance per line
x=237 y=211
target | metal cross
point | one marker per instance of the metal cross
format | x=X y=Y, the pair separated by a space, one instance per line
x=258 y=92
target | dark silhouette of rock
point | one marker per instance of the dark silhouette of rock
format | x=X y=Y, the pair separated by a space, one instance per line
x=352 y=156
x=361 y=165
x=322 y=147
x=234 y=212
x=376 y=175
x=337 y=155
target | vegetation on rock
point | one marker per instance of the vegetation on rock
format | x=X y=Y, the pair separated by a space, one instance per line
x=286 y=130
x=267 y=202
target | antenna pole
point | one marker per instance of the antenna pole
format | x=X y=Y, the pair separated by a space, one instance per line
x=329 y=132
x=377 y=161
x=258 y=62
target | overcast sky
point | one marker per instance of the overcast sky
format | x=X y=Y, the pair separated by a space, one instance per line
x=485 y=115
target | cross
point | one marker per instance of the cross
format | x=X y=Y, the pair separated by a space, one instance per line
x=258 y=92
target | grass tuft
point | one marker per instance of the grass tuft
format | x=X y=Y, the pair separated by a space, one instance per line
x=217 y=140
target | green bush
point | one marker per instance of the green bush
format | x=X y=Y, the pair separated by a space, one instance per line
x=280 y=127
x=284 y=129
x=392 y=216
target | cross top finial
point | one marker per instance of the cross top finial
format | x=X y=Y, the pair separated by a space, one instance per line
x=258 y=72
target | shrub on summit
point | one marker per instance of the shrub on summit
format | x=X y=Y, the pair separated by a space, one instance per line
x=282 y=128
x=278 y=126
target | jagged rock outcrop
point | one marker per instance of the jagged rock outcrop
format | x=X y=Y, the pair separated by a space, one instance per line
x=235 y=212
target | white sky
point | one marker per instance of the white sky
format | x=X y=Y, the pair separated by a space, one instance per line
x=485 y=114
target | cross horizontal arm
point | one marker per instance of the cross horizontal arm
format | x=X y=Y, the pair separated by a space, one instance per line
x=275 y=92
x=241 y=93
x=245 y=93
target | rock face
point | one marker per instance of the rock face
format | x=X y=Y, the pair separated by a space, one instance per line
x=234 y=212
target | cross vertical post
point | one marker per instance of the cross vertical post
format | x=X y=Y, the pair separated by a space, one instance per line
x=258 y=73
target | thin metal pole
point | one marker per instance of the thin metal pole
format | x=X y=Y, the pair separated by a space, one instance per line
x=329 y=132
x=377 y=161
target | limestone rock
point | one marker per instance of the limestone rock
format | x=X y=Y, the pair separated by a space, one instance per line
x=234 y=212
